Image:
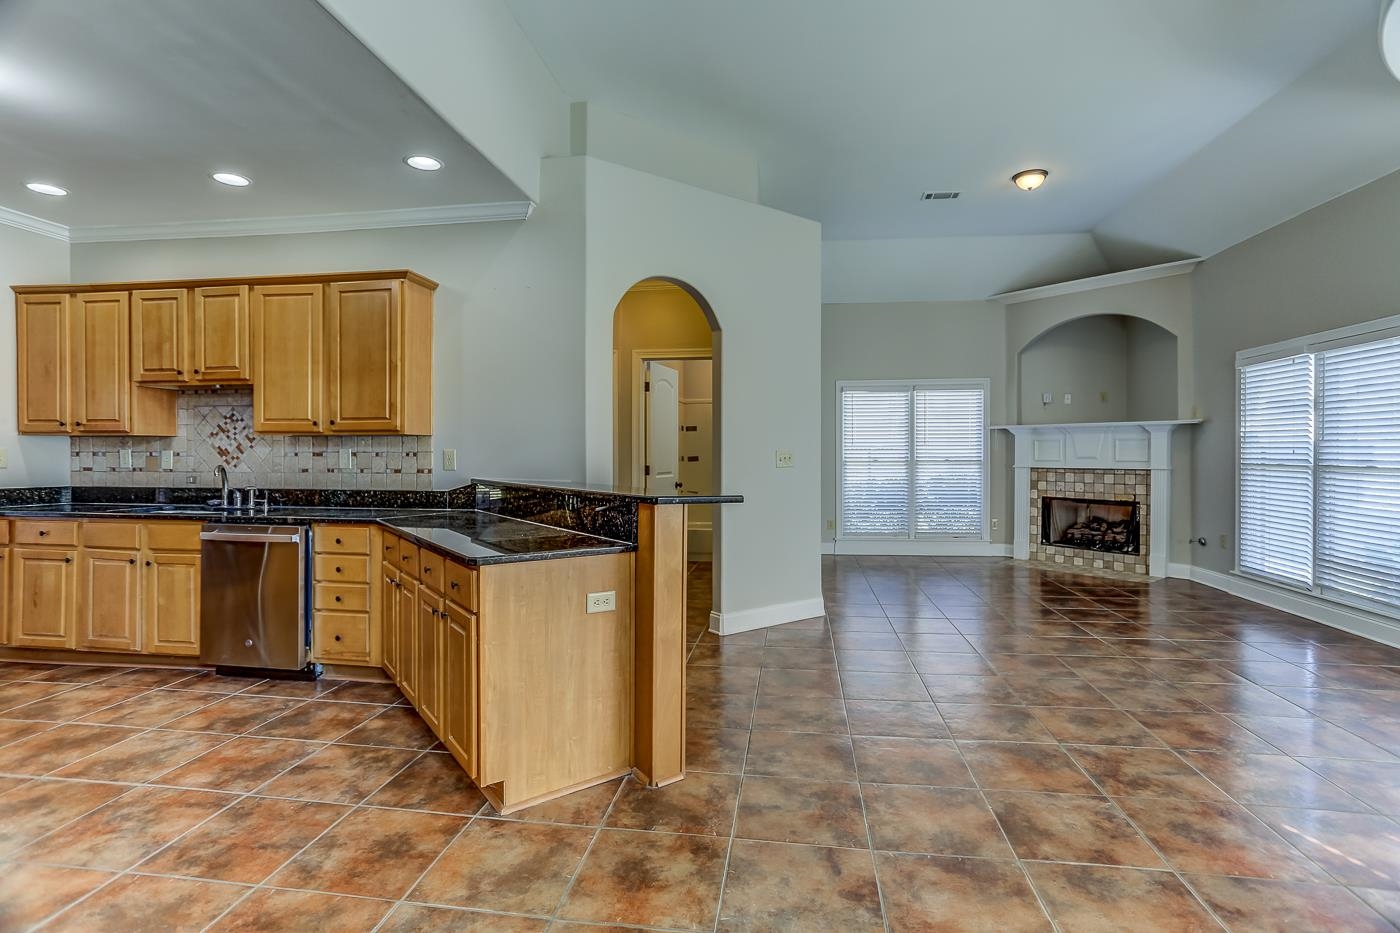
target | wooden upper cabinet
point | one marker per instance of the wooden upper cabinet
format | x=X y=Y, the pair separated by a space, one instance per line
x=102 y=363
x=220 y=336
x=43 y=325
x=159 y=335
x=364 y=329
x=287 y=358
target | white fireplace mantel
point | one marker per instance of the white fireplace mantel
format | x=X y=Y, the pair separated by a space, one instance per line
x=1102 y=445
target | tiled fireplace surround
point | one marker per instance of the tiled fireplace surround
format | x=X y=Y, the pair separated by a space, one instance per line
x=216 y=427
x=1111 y=485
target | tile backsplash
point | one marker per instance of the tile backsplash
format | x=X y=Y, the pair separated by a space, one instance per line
x=216 y=427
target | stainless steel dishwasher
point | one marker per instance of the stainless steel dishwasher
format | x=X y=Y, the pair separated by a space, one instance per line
x=253 y=598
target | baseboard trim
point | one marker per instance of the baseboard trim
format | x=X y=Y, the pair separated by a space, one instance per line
x=1179 y=571
x=747 y=620
x=1356 y=621
x=917 y=548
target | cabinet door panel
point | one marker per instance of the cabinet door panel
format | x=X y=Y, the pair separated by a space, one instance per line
x=406 y=624
x=42 y=608
x=287 y=358
x=172 y=603
x=101 y=363
x=428 y=699
x=43 y=330
x=109 y=600
x=459 y=681
x=363 y=330
x=159 y=342
x=222 y=335
x=388 y=616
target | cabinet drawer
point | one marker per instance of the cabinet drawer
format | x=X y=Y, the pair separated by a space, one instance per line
x=342 y=539
x=430 y=572
x=461 y=585
x=46 y=533
x=172 y=536
x=343 y=597
x=406 y=558
x=116 y=535
x=342 y=568
x=389 y=547
x=4 y=531
x=341 y=636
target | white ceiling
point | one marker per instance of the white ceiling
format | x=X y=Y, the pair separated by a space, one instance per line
x=856 y=108
x=131 y=105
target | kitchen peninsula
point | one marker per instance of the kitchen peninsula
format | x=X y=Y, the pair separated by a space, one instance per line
x=538 y=629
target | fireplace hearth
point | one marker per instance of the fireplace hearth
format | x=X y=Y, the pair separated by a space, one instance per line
x=1108 y=526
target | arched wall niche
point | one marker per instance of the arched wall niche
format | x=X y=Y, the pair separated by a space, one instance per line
x=1099 y=367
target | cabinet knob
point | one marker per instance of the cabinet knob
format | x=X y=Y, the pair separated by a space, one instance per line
x=132 y=561
x=196 y=372
x=427 y=570
x=338 y=541
x=43 y=534
x=332 y=421
x=337 y=599
x=315 y=424
x=68 y=560
x=455 y=585
x=337 y=638
x=63 y=424
x=77 y=424
x=338 y=570
x=181 y=372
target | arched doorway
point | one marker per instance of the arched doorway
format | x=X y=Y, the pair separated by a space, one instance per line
x=666 y=414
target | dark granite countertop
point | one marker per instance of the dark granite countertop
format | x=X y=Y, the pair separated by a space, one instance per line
x=471 y=536
x=622 y=492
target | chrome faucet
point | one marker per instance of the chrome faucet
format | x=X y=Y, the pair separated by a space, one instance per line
x=221 y=474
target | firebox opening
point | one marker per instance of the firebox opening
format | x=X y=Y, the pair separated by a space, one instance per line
x=1089 y=524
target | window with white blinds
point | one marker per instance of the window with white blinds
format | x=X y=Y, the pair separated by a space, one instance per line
x=913 y=460
x=1319 y=472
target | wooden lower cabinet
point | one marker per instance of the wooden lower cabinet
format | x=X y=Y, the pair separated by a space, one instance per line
x=406 y=636
x=43 y=604
x=388 y=616
x=458 y=725
x=431 y=608
x=171 y=599
x=109 y=600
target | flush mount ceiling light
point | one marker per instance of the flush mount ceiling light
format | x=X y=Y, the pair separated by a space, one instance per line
x=230 y=179
x=424 y=163
x=43 y=187
x=1390 y=37
x=1030 y=179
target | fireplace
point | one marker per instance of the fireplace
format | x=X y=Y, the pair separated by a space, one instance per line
x=1105 y=525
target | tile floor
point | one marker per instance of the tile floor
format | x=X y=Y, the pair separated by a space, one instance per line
x=965 y=745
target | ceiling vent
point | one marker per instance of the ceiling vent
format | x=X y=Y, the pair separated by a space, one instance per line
x=940 y=195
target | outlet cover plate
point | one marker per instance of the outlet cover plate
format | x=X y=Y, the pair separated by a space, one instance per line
x=449 y=459
x=784 y=459
x=602 y=602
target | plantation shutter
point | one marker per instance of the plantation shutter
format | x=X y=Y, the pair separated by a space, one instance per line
x=1276 y=469
x=1358 y=472
x=949 y=454
x=875 y=446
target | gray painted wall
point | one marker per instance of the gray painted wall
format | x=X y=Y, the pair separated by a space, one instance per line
x=1086 y=359
x=1332 y=266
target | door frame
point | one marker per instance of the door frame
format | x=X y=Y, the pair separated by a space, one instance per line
x=639 y=360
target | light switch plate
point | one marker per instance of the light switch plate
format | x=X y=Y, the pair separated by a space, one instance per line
x=347 y=459
x=449 y=459
x=124 y=458
x=1046 y=399
x=602 y=602
x=1069 y=399
x=784 y=459
x=167 y=459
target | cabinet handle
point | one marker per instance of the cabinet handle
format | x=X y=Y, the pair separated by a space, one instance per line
x=455 y=585
x=148 y=563
x=337 y=599
x=427 y=570
x=332 y=421
x=337 y=638
x=315 y=424
x=63 y=424
x=77 y=424
x=338 y=570
x=43 y=534
x=338 y=541
x=196 y=372
x=132 y=561
x=181 y=372
x=68 y=560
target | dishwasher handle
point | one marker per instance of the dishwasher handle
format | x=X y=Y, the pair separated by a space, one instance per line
x=251 y=537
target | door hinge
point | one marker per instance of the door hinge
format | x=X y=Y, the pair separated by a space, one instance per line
x=646 y=470
x=646 y=386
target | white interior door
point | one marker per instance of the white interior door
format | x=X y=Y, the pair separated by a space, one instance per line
x=662 y=424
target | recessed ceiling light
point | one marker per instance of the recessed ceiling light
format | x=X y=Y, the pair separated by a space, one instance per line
x=1030 y=179
x=230 y=179
x=43 y=187
x=424 y=163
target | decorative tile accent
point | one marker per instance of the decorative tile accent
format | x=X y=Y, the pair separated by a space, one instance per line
x=1113 y=485
x=216 y=428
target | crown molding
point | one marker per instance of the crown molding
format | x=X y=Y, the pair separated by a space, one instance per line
x=1146 y=273
x=13 y=218
x=267 y=226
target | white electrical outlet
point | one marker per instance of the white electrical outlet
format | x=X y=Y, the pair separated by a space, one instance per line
x=347 y=459
x=124 y=458
x=784 y=459
x=996 y=524
x=602 y=602
x=449 y=459
x=167 y=459
x=1047 y=398
x=1069 y=399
